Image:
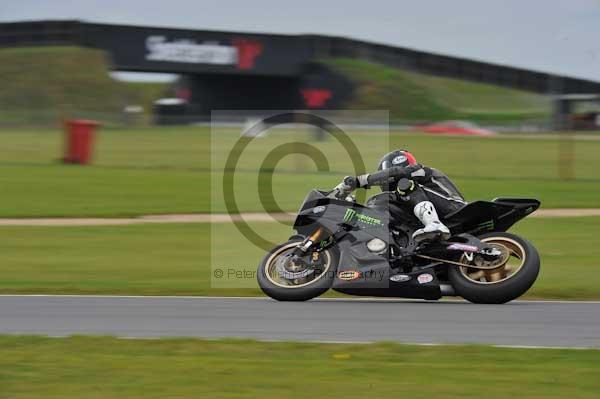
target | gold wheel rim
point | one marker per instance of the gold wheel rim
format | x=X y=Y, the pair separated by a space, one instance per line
x=274 y=277
x=508 y=269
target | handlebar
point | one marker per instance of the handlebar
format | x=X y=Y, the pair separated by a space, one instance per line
x=350 y=183
x=385 y=175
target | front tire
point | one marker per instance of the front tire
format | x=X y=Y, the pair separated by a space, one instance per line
x=282 y=289
x=507 y=282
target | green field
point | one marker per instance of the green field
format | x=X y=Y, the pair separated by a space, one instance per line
x=175 y=170
x=102 y=367
x=180 y=259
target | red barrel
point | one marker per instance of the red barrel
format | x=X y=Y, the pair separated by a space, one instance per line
x=79 y=136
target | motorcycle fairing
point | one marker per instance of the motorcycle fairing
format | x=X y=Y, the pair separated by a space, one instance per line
x=334 y=215
x=360 y=271
x=370 y=275
x=482 y=216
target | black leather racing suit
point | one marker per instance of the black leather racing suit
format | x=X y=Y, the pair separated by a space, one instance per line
x=414 y=184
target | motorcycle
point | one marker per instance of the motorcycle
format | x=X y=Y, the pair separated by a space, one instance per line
x=368 y=250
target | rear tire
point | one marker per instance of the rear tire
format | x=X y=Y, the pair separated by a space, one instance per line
x=303 y=292
x=506 y=289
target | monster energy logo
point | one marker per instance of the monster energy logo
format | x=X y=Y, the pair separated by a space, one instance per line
x=352 y=214
x=349 y=215
x=326 y=242
x=489 y=225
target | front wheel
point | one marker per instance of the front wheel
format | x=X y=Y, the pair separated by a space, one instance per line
x=285 y=280
x=515 y=274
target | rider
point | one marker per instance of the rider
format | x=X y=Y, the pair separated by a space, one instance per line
x=418 y=187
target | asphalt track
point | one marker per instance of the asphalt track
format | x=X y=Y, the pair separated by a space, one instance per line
x=520 y=323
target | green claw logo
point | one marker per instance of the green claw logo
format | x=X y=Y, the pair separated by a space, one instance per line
x=349 y=215
x=489 y=225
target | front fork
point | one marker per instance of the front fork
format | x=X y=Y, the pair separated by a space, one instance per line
x=308 y=243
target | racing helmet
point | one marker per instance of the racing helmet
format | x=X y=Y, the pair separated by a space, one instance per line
x=395 y=158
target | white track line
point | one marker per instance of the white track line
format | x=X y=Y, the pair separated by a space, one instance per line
x=225 y=218
x=148 y=219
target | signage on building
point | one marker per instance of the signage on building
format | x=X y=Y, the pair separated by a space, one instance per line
x=241 y=52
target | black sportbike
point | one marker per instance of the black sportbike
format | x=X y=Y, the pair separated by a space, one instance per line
x=368 y=250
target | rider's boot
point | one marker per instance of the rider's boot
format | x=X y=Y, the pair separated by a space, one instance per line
x=434 y=229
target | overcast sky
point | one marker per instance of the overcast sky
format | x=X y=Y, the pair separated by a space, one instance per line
x=560 y=36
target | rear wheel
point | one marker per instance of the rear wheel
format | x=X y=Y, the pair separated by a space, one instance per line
x=517 y=270
x=283 y=279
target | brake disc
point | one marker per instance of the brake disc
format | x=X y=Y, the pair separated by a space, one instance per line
x=283 y=267
x=495 y=261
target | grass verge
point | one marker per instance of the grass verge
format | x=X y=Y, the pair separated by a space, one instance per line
x=181 y=259
x=103 y=367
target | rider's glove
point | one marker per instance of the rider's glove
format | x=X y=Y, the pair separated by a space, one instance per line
x=415 y=171
x=350 y=183
x=345 y=187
